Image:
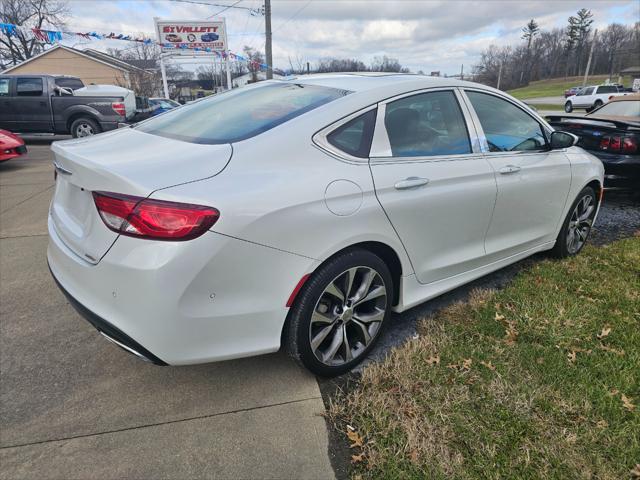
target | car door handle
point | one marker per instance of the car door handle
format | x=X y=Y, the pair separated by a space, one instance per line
x=411 y=182
x=509 y=169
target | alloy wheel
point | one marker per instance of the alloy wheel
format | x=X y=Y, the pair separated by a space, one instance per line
x=84 y=130
x=580 y=224
x=348 y=315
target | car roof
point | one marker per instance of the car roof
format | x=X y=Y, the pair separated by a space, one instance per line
x=363 y=81
x=626 y=98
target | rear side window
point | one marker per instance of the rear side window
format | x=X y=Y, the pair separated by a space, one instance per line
x=608 y=89
x=4 y=87
x=238 y=115
x=506 y=127
x=72 y=83
x=354 y=137
x=29 y=87
x=426 y=124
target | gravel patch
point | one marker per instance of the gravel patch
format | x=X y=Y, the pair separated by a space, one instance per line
x=619 y=217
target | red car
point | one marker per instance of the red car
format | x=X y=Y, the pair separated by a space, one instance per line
x=11 y=146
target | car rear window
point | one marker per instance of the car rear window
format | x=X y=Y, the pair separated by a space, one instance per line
x=241 y=114
x=622 y=108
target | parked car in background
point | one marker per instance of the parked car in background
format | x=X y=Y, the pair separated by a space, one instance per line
x=612 y=133
x=161 y=105
x=42 y=104
x=11 y=146
x=210 y=37
x=572 y=91
x=305 y=211
x=591 y=97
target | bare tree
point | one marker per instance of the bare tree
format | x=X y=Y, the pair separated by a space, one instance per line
x=327 y=65
x=41 y=14
x=387 y=64
x=612 y=39
x=528 y=32
x=143 y=78
x=255 y=59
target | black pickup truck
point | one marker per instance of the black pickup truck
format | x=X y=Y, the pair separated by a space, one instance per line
x=47 y=104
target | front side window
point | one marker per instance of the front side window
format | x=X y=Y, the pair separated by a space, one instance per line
x=586 y=91
x=354 y=137
x=29 y=87
x=426 y=124
x=238 y=115
x=506 y=127
x=4 y=87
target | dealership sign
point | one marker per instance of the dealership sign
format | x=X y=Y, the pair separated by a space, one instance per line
x=192 y=35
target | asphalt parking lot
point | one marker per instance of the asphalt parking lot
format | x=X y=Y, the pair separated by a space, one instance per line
x=72 y=405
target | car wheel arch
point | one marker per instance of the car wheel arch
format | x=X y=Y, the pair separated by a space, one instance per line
x=386 y=253
x=78 y=115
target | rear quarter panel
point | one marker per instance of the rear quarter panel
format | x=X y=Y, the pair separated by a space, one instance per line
x=278 y=189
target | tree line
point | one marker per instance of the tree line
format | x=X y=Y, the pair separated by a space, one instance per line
x=561 y=52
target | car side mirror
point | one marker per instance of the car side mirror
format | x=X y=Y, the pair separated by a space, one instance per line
x=561 y=140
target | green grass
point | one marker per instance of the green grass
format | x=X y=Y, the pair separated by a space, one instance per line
x=548 y=106
x=538 y=380
x=554 y=87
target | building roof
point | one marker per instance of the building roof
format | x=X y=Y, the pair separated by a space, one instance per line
x=631 y=70
x=94 y=55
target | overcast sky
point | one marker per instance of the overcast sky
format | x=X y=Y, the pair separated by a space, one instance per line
x=423 y=35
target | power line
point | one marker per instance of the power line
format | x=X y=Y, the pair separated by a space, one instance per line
x=292 y=16
x=195 y=2
x=226 y=8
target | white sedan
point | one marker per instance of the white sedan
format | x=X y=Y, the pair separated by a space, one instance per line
x=301 y=213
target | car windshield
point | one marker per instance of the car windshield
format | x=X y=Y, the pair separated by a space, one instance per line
x=623 y=108
x=238 y=115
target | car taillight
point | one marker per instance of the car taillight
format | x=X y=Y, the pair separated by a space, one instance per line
x=615 y=144
x=619 y=144
x=118 y=107
x=154 y=219
x=629 y=145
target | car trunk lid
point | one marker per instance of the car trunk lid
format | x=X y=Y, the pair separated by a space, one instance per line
x=125 y=161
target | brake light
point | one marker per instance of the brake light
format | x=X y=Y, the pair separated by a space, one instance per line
x=118 y=107
x=615 y=144
x=153 y=219
x=629 y=145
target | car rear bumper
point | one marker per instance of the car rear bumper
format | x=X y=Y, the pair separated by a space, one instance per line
x=109 y=331
x=620 y=171
x=178 y=303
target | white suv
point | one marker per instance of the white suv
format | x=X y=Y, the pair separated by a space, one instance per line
x=592 y=97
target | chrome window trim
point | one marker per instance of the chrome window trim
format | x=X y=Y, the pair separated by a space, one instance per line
x=382 y=151
x=321 y=141
x=484 y=145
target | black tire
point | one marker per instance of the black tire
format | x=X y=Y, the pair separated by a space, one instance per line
x=561 y=249
x=84 y=127
x=598 y=104
x=568 y=107
x=298 y=331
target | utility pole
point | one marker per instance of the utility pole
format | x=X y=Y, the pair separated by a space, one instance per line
x=586 y=72
x=267 y=33
x=499 y=76
x=462 y=72
x=308 y=68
